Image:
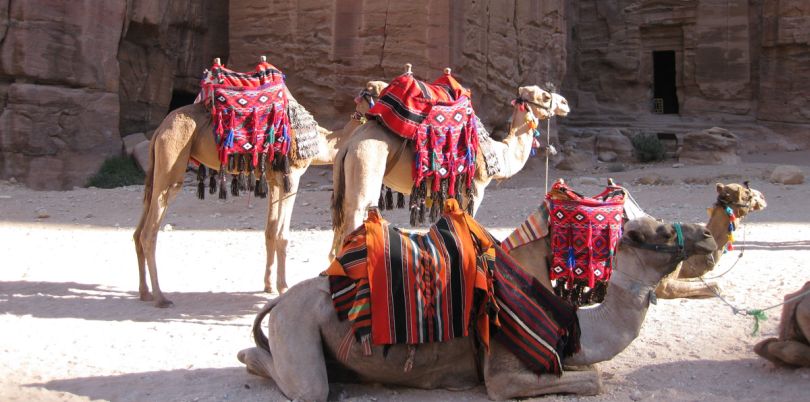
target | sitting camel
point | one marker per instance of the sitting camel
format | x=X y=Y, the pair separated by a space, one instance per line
x=187 y=133
x=680 y=284
x=792 y=348
x=375 y=156
x=305 y=333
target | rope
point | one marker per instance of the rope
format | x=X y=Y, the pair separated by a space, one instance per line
x=742 y=251
x=548 y=148
x=758 y=314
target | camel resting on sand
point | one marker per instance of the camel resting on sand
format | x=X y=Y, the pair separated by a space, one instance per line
x=187 y=133
x=680 y=284
x=375 y=156
x=792 y=348
x=305 y=333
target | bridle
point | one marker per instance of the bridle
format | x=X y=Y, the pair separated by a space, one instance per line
x=678 y=250
x=366 y=95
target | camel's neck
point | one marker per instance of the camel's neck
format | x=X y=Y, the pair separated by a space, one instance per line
x=718 y=226
x=516 y=147
x=335 y=139
x=608 y=328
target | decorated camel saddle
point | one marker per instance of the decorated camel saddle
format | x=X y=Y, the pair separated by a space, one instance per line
x=454 y=281
x=255 y=124
x=583 y=234
x=440 y=122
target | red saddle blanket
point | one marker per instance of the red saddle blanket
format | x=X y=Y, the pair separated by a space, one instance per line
x=249 y=112
x=440 y=120
x=584 y=234
x=405 y=288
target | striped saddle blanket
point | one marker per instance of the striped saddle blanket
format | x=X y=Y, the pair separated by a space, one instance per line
x=406 y=288
x=440 y=120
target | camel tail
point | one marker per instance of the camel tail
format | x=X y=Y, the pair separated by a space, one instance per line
x=258 y=335
x=338 y=191
x=150 y=173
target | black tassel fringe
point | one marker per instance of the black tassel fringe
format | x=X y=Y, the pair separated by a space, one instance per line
x=201 y=182
x=223 y=177
x=400 y=200
x=234 y=186
x=389 y=199
x=212 y=183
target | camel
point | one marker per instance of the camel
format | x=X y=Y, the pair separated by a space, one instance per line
x=375 y=156
x=305 y=333
x=681 y=283
x=187 y=133
x=792 y=348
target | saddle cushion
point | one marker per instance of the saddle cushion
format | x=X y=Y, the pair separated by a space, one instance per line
x=584 y=233
x=249 y=112
x=440 y=120
x=405 y=288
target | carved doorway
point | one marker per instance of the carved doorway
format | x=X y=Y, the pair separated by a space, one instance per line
x=665 y=97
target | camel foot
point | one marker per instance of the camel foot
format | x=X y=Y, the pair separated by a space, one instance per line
x=146 y=296
x=255 y=361
x=271 y=290
x=164 y=303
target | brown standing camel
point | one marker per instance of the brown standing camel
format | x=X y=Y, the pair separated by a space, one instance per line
x=187 y=133
x=682 y=283
x=792 y=348
x=305 y=333
x=375 y=156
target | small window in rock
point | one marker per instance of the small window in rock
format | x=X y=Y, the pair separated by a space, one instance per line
x=665 y=98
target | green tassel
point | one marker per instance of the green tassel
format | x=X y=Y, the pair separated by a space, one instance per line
x=758 y=315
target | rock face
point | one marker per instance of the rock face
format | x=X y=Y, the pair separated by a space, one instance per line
x=731 y=63
x=714 y=146
x=330 y=49
x=75 y=76
x=612 y=146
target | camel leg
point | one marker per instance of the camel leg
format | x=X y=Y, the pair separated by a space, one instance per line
x=169 y=166
x=258 y=362
x=781 y=353
x=285 y=208
x=274 y=194
x=506 y=377
x=143 y=288
x=672 y=288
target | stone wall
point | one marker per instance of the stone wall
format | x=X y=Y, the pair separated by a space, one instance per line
x=328 y=50
x=738 y=64
x=76 y=76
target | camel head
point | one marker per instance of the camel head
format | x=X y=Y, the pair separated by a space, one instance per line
x=657 y=244
x=536 y=100
x=741 y=198
x=559 y=105
x=369 y=95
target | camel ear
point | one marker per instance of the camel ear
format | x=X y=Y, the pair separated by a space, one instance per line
x=719 y=187
x=636 y=236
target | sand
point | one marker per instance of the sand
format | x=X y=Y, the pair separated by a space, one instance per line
x=74 y=329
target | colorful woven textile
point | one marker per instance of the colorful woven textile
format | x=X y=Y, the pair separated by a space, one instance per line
x=584 y=233
x=399 y=287
x=533 y=228
x=249 y=111
x=535 y=325
x=440 y=120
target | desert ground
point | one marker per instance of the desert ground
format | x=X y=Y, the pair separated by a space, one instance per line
x=73 y=328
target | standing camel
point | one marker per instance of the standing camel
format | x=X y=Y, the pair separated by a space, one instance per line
x=187 y=133
x=375 y=156
x=742 y=200
x=305 y=333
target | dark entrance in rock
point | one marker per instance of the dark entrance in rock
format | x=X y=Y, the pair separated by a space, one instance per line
x=181 y=98
x=665 y=98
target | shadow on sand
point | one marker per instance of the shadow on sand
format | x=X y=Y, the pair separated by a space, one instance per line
x=95 y=302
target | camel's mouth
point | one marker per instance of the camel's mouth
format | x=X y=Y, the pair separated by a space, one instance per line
x=707 y=245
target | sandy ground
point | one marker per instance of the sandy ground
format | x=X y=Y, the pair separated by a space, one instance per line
x=74 y=329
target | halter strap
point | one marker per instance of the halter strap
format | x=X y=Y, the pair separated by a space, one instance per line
x=678 y=249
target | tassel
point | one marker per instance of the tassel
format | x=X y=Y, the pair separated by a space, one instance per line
x=571 y=260
x=223 y=193
x=234 y=186
x=251 y=181
x=422 y=211
x=381 y=200
x=287 y=183
x=413 y=205
x=400 y=200
x=231 y=162
x=261 y=182
x=201 y=182
x=212 y=183
x=389 y=199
